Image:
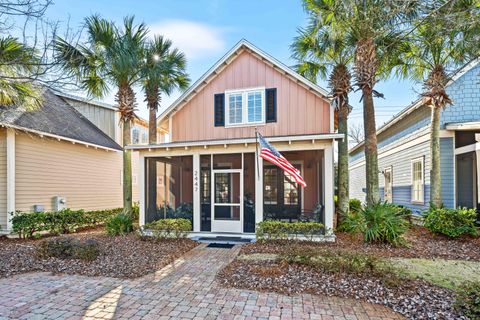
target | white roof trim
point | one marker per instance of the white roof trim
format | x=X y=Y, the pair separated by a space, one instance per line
x=309 y=137
x=54 y=136
x=242 y=43
x=463 y=126
x=86 y=100
x=418 y=103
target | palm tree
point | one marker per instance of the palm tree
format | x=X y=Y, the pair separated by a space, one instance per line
x=111 y=56
x=320 y=50
x=438 y=45
x=17 y=63
x=372 y=28
x=162 y=72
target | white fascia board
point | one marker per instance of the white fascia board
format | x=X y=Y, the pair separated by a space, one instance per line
x=311 y=137
x=463 y=126
x=54 y=136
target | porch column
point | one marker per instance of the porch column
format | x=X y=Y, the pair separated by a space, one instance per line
x=143 y=186
x=10 y=176
x=328 y=190
x=258 y=189
x=477 y=157
x=196 y=193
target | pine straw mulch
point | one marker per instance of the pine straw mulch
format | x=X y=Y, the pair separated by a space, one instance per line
x=120 y=257
x=415 y=299
x=421 y=244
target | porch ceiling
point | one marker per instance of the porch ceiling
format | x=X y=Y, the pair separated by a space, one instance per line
x=205 y=143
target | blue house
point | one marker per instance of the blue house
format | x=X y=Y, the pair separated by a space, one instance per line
x=404 y=150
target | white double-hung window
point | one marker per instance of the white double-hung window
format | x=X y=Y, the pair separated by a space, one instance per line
x=244 y=107
x=418 y=180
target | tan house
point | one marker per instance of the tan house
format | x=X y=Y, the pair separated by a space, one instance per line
x=65 y=154
x=209 y=171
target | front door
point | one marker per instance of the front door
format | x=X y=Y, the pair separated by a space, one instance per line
x=227 y=195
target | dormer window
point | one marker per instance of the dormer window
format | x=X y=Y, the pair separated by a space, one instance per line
x=245 y=107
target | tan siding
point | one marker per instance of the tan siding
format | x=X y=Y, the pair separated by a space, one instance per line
x=89 y=178
x=3 y=179
x=299 y=111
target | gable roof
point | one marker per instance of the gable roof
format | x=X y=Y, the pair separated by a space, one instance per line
x=225 y=60
x=417 y=104
x=58 y=119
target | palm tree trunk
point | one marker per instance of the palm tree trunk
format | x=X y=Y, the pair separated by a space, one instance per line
x=127 y=169
x=371 y=153
x=435 y=176
x=342 y=180
x=152 y=120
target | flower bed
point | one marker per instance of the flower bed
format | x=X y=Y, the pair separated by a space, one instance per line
x=121 y=257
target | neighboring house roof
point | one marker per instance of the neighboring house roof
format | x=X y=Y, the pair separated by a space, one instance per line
x=416 y=104
x=57 y=119
x=213 y=71
x=86 y=100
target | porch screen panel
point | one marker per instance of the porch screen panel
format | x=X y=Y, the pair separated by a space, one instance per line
x=249 y=192
x=173 y=185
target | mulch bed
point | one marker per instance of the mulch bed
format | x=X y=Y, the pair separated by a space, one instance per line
x=421 y=244
x=120 y=257
x=414 y=299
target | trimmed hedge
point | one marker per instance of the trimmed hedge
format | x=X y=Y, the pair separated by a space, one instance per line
x=169 y=228
x=451 y=222
x=280 y=230
x=26 y=224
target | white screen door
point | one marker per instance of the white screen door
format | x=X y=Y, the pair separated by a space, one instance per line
x=227 y=195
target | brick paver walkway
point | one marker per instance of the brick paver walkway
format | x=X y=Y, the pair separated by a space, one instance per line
x=185 y=289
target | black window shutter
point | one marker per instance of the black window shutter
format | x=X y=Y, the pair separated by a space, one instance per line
x=219 y=109
x=271 y=105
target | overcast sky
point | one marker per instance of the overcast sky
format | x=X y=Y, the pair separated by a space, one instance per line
x=206 y=29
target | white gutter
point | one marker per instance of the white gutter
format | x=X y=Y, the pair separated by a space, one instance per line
x=311 y=137
x=59 y=138
x=460 y=126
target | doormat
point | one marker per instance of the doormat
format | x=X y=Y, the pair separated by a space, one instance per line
x=220 y=245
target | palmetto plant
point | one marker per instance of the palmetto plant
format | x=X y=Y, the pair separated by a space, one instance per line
x=17 y=62
x=371 y=28
x=323 y=52
x=437 y=47
x=162 y=72
x=111 y=56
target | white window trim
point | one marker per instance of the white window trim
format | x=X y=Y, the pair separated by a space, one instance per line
x=389 y=169
x=244 y=93
x=422 y=161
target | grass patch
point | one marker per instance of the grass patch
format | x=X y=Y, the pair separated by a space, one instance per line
x=450 y=274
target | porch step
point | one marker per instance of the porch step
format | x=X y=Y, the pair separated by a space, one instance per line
x=223 y=240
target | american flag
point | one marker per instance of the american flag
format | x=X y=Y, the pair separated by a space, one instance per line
x=270 y=154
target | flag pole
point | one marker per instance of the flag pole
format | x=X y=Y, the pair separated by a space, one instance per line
x=256 y=153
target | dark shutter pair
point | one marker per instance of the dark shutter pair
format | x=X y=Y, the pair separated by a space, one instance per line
x=270 y=107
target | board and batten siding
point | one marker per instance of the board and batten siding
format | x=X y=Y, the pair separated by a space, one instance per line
x=3 y=179
x=299 y=111
x=102 y=117
x=401 y=164
x=89 y=178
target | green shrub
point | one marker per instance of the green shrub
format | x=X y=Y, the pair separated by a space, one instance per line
x=451 y=222
x=120 y=224
x=385 y=223
x=355 y=205
x=69 y=248
x=26 y=224
x=280 y=230
x=468 y=300
x=169 y=228
x=382 y=222
x=336 y=261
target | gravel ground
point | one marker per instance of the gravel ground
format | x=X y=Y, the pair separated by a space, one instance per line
x=421 y=244
x=414 y=299
x=120 y=257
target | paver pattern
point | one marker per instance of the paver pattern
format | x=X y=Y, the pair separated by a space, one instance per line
x=185 y=289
